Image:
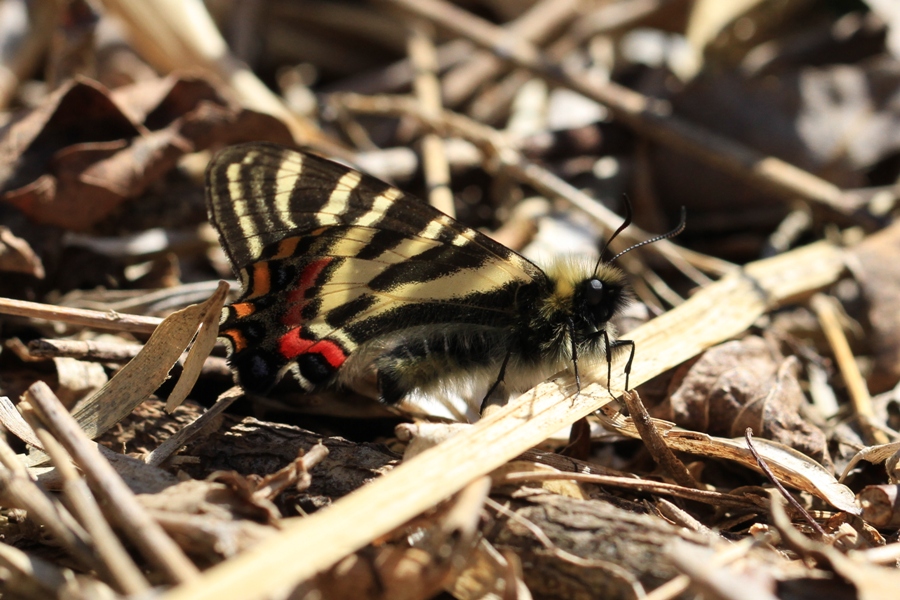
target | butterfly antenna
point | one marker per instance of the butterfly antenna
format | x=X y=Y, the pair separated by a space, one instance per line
x=629 y=213
x=664 y=236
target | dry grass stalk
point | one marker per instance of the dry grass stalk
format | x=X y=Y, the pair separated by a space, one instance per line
x=138 y=526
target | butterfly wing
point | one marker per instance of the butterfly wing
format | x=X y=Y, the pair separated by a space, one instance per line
x=333 y=262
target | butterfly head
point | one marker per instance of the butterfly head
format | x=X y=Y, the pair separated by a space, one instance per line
x=584 y=295
x=600 y=296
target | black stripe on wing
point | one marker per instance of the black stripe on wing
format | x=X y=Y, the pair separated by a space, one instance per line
x=250 y=212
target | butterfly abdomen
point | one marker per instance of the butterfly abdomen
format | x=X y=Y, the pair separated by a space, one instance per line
x=445 y=360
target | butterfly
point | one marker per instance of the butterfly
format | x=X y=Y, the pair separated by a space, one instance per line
x=348 y=282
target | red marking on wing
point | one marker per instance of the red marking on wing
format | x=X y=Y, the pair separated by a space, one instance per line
x=297 y=298
x=291 y=345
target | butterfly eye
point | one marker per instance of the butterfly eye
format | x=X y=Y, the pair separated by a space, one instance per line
x=594 y=292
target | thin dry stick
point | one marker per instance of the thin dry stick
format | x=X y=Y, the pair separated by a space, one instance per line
x=610 y=18
x=491 y=106
x=651 y=118
x=856 y=385
x=117 y=565
x=655 y=444
x=428 y=90
x=888 y=554
x=587 y=563
x=82 y=349
x=91 y=350
x=183 y=435
x=137 y=524
x=29 y=576
x=79 y=316
x=748 y=434
x=640 y=485
x=718 y=312
x=535 y=24
x=173 y=34
x=20 y=490
x=681 y=583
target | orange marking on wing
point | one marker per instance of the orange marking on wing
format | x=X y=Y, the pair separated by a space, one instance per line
x=237 y=339
x=287 y=247
x=262 y=279
x=243 y=309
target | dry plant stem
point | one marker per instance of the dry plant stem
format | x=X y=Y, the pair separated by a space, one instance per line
x=423 y=57
x=569 y=465
x=90 y=350
x=717 y=583
x=117 y=567
x=463 y=516
x=535 y=25
x=748 y=434
x=180 y=34
x=21 y=57
x=494 y=143
x=856 y=385
x=885 y=555
x=295 y=474
x=716 y=313
x=611 y=18
x=655 y=444
x=680 y=584
x=513 y=583
x=669 y=511
x=651 y=118
x=660 y=287
x=492 y=106
x=20 y=490
x=82 y=350
x=166 y=299
x=157 y=547
x=28 y=576
x=640 y=485
x=184 y=435
x=398 y=75
x=610 y=567
x=79 y=316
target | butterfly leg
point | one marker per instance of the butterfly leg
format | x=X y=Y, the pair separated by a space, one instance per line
x=619 y=344
x=610 y=348
x=575 y=355
x=496 y=385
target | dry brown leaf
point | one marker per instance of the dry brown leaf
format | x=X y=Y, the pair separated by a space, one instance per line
x=740 y=384
x=203 y=344
x=484 y=577
x=77 y=379
x=790 y=467
x=148 y=370
x=16 y=255
x=85 y=150
x=872 y=582
x=873 y=454
x=874 y=263
x=563 y=487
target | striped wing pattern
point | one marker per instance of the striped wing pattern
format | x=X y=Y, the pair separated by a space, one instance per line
x=337 y=266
